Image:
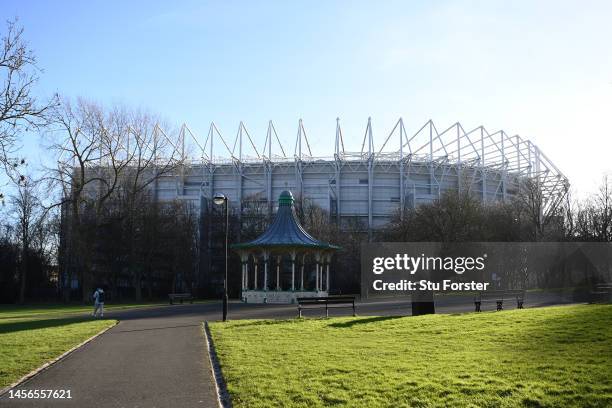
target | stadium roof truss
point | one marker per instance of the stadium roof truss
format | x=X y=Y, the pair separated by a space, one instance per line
x=480 y=154
x=452 y=148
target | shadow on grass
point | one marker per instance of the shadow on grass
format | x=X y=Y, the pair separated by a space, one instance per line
x=359 y=321
x=40 y=324
x=262 y=322
x=589 y=324
x=298 y=321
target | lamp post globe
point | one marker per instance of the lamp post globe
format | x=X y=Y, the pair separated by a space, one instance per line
x=221 y=199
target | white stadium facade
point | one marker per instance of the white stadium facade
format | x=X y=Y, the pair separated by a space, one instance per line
x=369 y=185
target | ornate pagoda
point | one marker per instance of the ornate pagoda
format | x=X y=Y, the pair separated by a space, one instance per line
x=285 y=244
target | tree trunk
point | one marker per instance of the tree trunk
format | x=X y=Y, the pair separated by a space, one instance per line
x=114 y=291
x=85 y=287
x=67 y=286
x=24 y=276
x=138 y=285
x=149 y=286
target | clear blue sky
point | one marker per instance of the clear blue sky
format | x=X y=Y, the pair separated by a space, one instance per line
x=541 y=69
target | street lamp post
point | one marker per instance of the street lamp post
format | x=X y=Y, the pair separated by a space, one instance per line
x=220 y=199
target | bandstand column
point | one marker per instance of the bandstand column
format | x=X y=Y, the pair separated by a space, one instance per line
x=302 y=272
x=242 y=270
x=318 y=271
x=266 y=261
x=246 y=274
x=293 y=270
x=327 y=275
x=256 y=263
x=278 y=263
x=244 y=257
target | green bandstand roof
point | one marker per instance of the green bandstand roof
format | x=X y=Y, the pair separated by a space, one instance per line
x=285 y=232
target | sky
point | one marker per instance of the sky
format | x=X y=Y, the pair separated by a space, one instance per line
x=540 y=69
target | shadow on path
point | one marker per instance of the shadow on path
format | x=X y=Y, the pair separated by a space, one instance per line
x=155 y=328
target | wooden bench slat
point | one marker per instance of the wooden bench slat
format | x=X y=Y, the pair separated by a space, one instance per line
x=601 y=293
x=180 y=296
x=320 y=302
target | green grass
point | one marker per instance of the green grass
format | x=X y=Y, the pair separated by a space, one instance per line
x=37 y=311
x=546 y=357
x=29 y=337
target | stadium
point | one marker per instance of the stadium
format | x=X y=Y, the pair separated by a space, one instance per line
x=359 y=191
x=367 y=186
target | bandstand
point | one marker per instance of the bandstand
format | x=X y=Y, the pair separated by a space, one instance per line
x=284 y=246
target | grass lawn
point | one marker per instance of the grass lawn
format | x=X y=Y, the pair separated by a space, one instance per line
x=30 y=337
x=545 y=357
x=37 y=311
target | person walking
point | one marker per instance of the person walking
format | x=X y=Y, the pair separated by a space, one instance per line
x=98 y=302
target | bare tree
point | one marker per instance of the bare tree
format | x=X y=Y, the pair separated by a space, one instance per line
x=29 y=216
x=591 y=219
x=316 y=220
x=19 y=109
x=602 y=220
x=255 y=216
x=88 y=143
x=455 y=217
x=107 y=161
x=151 y=155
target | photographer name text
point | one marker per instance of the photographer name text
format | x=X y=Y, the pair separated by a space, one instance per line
x=427 y=285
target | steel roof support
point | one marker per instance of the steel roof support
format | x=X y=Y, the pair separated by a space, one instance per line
x=496 y=160
x=401 y=168
x=459 y=170
x=338 y=166
x=370 y=175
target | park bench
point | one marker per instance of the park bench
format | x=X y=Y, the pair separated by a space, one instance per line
x=336 y=302
x=180 y=297
x=498 y=296
x=601 y=293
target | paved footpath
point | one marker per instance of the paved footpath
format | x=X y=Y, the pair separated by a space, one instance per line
x=157 y=357
x=152 y=358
